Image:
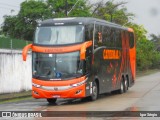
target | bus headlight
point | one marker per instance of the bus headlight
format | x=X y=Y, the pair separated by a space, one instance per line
x=78 y=84
x=36 y=85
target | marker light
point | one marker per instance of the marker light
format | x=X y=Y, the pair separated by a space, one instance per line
x=36 y=85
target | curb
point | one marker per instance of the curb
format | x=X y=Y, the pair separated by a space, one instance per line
x=12 y=96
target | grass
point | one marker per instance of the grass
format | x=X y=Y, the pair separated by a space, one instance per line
x=16 y=100
x=10 y=97
x=146 y=72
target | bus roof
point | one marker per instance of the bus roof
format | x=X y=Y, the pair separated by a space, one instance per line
x=79 y=21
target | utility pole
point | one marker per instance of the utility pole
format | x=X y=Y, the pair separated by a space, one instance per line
x=66 y=8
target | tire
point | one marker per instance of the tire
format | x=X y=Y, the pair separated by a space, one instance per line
x=121 y=90
x=125 y=85
x=52 y=100
x=94 y=95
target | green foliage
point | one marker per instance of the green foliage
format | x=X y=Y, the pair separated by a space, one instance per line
x=9 y=25
x=81 y=10
x=58 y=8
x=111 y=11
x=139 y=30
x=147 y=56
x=156 y=40
x=144 y=54
x=22 y=26
x=155 y=59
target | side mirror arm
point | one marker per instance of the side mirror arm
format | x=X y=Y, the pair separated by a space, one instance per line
x=25 y=51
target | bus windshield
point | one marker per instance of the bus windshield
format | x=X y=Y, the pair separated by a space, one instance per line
x=57 y=66
x=59 y=35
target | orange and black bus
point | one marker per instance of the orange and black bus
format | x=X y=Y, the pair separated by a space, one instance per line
x=81 y=57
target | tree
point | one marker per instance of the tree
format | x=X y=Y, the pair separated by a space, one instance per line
x=156 y=40
x=59 y=7
x=22 y=25
x=147 y=56
x=32 y=11
x=139 y=30
x=110 y=11
x=8 y=26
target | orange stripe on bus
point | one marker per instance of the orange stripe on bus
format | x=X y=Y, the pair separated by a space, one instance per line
x=60 y=49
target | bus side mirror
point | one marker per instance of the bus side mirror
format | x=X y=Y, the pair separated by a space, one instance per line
x=83 y=49
x=25 y=51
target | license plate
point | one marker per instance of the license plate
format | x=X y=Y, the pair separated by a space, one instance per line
x=56 y=96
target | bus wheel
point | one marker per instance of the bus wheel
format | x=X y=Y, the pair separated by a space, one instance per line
x=125 y=85
x=94 y=95
x=52 y=100
x=121 y=90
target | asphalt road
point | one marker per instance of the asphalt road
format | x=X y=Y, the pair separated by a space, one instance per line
x=143 y=96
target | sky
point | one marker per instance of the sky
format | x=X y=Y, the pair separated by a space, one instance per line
x=147 y=12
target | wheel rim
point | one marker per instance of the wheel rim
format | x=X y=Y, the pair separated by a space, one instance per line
x=122 y=87
x=94 y=91
x=126 y=85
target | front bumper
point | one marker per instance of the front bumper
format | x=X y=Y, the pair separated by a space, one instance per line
x=64 y=90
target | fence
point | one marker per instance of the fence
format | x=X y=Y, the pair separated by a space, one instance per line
x=15 y=75
x=9 y=43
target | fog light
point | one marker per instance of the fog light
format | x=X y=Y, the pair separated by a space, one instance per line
x=78 y=91
x=35 y=92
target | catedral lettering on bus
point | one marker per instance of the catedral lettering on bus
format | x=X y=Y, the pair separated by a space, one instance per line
x=81 y=57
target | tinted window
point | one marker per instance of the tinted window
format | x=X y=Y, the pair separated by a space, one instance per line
x=112 y=37
x=57 y=66
x=107 y=36
x=59 y=35
x=131 y=40
x=98 y=36
x=89 y=32
x=118 y=39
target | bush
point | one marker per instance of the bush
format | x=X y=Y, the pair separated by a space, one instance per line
x=147 y=57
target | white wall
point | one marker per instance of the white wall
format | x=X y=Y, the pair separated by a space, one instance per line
x=15 y=74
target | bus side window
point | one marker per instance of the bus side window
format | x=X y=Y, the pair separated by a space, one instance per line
x=106 y=36
x=98 y=39
x=88 y=60
x=131 y=40
x=115 y=38
x=88 y=64
x=89 y=32
x=112 y=39
x=119 y=39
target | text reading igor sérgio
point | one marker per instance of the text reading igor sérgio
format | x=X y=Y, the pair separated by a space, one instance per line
x=148 y=114
x=22 y=114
